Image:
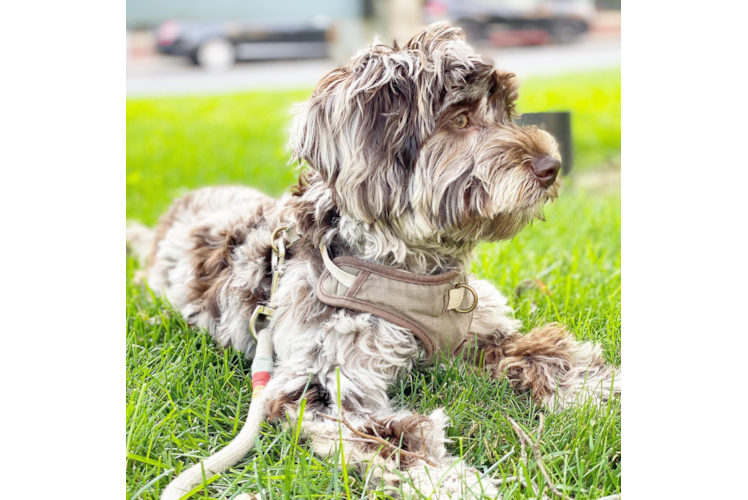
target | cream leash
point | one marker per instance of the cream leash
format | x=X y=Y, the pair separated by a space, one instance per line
x=262 y=367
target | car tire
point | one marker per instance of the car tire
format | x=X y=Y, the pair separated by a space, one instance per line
x=215 y=55
x=565 y=31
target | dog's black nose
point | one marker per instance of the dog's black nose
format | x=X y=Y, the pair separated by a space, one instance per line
x=546 y=169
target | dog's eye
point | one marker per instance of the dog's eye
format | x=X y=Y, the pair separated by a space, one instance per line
x=460 y=121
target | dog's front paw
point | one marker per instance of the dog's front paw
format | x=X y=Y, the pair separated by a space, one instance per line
x=441 y=482
x=557 y=369
x=595 y=385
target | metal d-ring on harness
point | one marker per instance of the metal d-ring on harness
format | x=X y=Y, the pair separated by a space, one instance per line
x=278 y=257
x=475 y=298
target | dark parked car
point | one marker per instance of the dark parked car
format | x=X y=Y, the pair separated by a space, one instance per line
x=216 y=46
x=509 y=22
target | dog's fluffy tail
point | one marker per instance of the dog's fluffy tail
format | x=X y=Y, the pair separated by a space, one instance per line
x=139 y=240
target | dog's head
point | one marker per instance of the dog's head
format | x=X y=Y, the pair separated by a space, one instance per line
x=422 y=138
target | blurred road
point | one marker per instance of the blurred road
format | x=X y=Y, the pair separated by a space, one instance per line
x=159 y=75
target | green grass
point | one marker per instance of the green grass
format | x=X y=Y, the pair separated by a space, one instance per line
x=186 y=398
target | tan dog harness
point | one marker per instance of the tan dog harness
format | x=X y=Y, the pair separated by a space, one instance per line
x=435 y=308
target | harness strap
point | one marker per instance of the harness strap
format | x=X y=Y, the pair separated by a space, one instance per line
x=455 y=298
x=455 y=295
x=345 y=278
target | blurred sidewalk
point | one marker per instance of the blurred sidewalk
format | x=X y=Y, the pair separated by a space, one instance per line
x=149 y=73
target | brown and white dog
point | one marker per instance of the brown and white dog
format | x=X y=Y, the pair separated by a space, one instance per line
x=411 y=159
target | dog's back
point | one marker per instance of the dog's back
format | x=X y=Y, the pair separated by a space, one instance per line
x=209 y=256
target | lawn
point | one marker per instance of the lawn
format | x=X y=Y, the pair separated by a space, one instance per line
x=186 y=398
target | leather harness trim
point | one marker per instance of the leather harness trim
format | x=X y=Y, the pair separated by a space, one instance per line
x=366 y=269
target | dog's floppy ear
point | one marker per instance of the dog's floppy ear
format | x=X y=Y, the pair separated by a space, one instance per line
x=360 y=130
x=365 y=123
x=503 y=94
